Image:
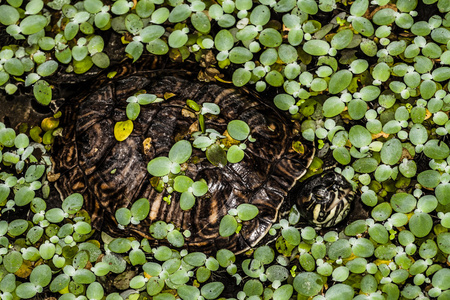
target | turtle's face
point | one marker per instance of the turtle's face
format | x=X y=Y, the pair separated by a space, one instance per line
x=324 y=199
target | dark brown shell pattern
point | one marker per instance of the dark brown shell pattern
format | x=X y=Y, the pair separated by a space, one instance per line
x=111 y=174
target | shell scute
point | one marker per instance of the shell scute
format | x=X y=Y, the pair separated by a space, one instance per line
x=95 y=108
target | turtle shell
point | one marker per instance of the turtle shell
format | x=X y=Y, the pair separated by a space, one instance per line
x=111 y=174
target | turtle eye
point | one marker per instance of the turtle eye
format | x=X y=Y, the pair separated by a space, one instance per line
x=320 y=194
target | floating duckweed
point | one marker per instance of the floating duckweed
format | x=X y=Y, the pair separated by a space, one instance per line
x=386 y=151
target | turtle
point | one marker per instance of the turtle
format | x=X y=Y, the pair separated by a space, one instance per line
x=112 y=174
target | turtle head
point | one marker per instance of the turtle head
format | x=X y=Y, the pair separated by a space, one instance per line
x=324 y=199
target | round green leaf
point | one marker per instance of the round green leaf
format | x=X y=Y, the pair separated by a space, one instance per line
x=270 y=37
x=42 y=92
x=33 y=24
x=73 y=203
x=340 y=81
x=223 y=40
x=177 y=39
x=8 y=15
x=247 y=211
x=342 y=39
x=316 y=47
x=308 y=284
x=159 y=166
x=420 y=224
x=228 y=226
x=238 y=130
x=212 y=290
x=187 y=200
x=26 y=290
x=235 y=154
x=332 y=107
x=180 y=152
x=12 y=261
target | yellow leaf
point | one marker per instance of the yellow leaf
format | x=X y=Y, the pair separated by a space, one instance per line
x=147 y=145
x=298 y=147
x=34 y=134
x=64 y=290
x=25 y=269
x=49 y=124
x=168 y=95
x=123 y=129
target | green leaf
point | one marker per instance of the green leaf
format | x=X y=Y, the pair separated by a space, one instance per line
x=384 y=16
x=340 y=291
x=82 y=66
x=316 y=47
x=33 y=24
x=140 y=209
x=12 y=261
x=182 y=183
x=270 y=37
x=332 y=107
x=123 y=216
x=340 y=81
x=342 y=39
x=247 y=211
x=26 y=290
x=420 y=224
x=201 y=22
x=177 y=39
x=403 y=202
x=95 y=291
x=154 y=286
x=436 y=149
x=73 y=203
x=363 y=26
x=308 y=284
x=238 y=130
x=14 y=67
x=212 y=290
x=158 y=230
x=359 y=136
x=135 y=49
x=216 y=155
x=17 y=227
x=228 y=226
x=42 y=92
x=429 y=178
x=8 y=15
x=24 y=196
x=391 y=151
x=441 y=192
x=179 y=13
x=187 y=292
x=342 y=155
x=240 y=55
x=176 y=239
x=199 y=188
x=41 y=275
x=180 y=152
x=308 y=6
x=223 y=40
x=120 y=245
x=235 y=154
x=83 y=276
x=260 y=15
x=187 y=200
x=241 y=77
x=195 y=259
x=159 y=166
